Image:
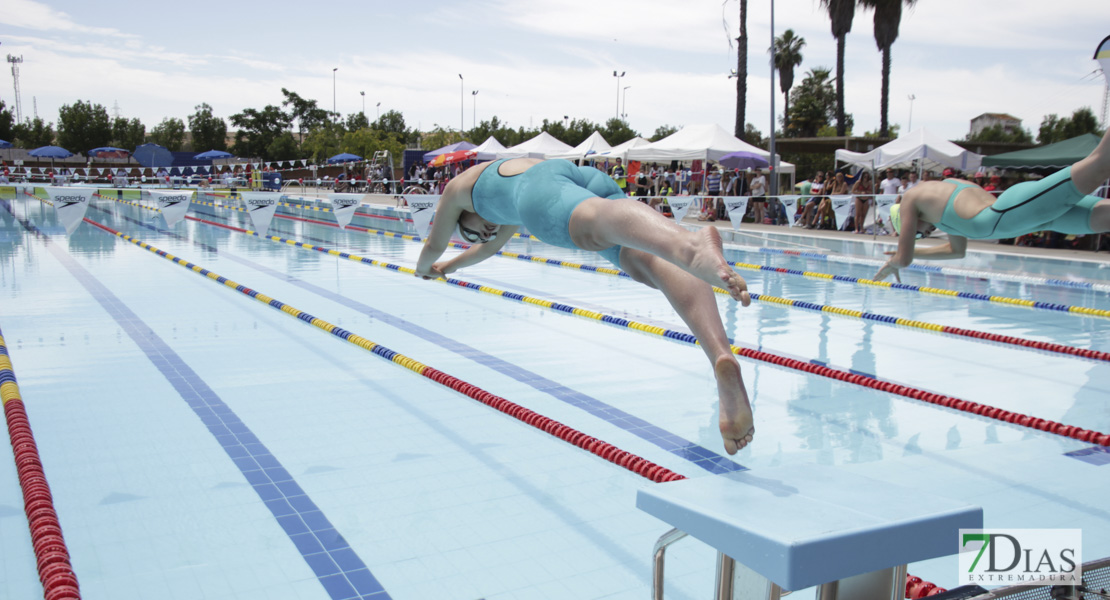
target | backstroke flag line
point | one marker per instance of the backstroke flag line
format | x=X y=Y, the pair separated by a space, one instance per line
x=736 y=206
x=70 y=205
x=173 y=205
x=790 y=206
x=842 y=207
x=344 y=205
x=261 y=207
x=679 y=206
x=422 y=208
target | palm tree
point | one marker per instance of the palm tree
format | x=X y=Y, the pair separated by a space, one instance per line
x=841 y=13
x=888 y=16
x=741 y=71
x=788 y=54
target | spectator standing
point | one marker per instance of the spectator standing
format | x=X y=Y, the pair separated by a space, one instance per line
x=890 y=184
x=862 y=201
x=759 y=195
x=619 y=175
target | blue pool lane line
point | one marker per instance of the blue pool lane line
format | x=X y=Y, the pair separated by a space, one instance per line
x=340 y=570
x=657 y=436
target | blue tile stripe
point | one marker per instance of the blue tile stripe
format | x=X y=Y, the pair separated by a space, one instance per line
x=340 y=570
x=670 y=442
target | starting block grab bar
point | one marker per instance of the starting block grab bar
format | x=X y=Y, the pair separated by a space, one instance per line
x=797 y=527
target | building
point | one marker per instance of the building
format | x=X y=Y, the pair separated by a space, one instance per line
x=1009 y=123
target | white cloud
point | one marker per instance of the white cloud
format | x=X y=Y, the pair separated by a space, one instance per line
x=28 y=14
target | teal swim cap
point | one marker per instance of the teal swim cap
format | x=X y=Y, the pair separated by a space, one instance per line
x=896 y=217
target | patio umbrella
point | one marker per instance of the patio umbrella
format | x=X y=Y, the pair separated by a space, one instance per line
x=108 y=152
x=342 y=158
x=153 y=155
x=50 y=152
x=4 y=144
x=452 y=157
x=212 y=154
x=743 y=160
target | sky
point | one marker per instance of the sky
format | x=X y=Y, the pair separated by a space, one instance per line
x=544 y=59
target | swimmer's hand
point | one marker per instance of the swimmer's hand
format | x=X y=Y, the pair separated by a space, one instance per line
x=888 y=269
x=434 y=272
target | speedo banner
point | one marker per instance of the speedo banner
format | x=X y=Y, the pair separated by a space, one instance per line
x=422 y=208
x=790 y=205
x=842 y=206
x=261 y=207
x=70 y=204
x=882 y=211
x=680 y=205
x=344 y=205
x=173 y=205
x=736 y=207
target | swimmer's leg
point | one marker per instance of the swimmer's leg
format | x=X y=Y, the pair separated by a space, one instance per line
x=599 y=223
x=1090 y=172
x=695 y=302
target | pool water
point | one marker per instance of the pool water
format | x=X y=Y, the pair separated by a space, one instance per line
x=201 y=444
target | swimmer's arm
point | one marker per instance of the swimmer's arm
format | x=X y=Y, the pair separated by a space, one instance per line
x=476 y=253
x=955 y=248
x=443 y=223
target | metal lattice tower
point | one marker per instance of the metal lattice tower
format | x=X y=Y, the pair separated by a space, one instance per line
x=15 y=78
x=1105 y=100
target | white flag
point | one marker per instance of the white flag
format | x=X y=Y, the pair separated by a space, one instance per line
x=261 y=207
x=790 y=205
x=679 y=206
x=344 y=205
x=70 y=205
x=882 y=210
x=173 y=205
x=422 y=207
x=737 y=207
x=842 y=205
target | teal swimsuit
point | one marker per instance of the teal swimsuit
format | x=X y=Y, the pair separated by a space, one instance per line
x=542 y=199
x=1051 y=204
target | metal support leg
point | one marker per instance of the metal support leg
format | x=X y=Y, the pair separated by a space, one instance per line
x=665 y=540
x=737 y=582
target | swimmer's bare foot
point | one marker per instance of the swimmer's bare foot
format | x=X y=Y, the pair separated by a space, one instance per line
x=709 y=264
x=737 y=422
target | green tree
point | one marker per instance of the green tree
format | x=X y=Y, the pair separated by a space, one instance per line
x=394 y=122
x=814 y=104
x=33 y=133
x=128 y=134
x=209 y=131
x=888 y=17
x=741 y=72
x=841 y=14
x=323 y=142
x=892 y=132
x=258 y=129
x=788 y=54
x=996 y=133
x=493 y=127
x=83 y=126
x=617 y=131
x=356 y=121
x=305 y=112
x=754 y=136
x=439 y=137
x=366 y=141
x=169 y=133
x=662 y=131
x=284 y=147
x=7 y=123
x=1055 y=129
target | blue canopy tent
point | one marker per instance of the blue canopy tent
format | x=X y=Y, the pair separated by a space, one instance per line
x=153 y=155
x=213 y=154
x=343 y=158
x=4 y=144
x=430 y=156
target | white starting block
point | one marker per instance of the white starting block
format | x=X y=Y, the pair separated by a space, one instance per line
x=795 y=527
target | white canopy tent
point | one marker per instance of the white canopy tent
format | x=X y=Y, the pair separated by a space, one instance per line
x=488 y=149
x=699 y=142
x=620 y=150
x=591 y=146
x=537 y=147
x=928 y=150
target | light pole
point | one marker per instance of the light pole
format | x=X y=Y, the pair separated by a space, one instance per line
x=379 y=111
x=618 y=115
x=363 y=94
x=462 y=102
x=335 y=112
x=474 y=106
x=774 y=163
x=912 y=98
x=624 y=103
